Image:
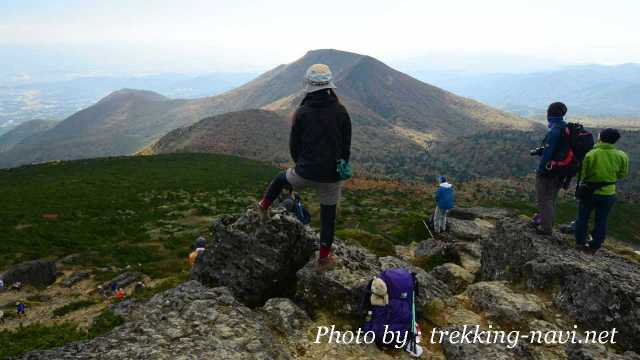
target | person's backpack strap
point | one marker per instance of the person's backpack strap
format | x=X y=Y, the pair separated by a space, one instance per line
x=416 y=283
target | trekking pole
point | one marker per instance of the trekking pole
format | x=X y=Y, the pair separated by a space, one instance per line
x=427 y=227
x=412 y=346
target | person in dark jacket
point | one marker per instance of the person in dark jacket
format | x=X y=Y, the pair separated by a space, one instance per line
x=548 y=183
x=444 y=203
x=320 y=137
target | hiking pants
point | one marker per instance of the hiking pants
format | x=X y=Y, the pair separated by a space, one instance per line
x=547 y=189
x=440 y=220
x=328 y=194
x=602 y=204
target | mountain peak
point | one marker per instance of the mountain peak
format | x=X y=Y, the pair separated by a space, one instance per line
x=133 y=94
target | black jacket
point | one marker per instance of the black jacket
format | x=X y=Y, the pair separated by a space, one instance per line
x=320 y=136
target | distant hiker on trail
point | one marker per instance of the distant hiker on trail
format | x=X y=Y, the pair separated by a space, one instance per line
x=549 y=181
x=193 y=256
x=120 y=294
x=602 y=168
x=444 y=203
x=320 y=146
x=201 y=242
x=1 y=285
x=20 y=308
x=114 y=287
x=139 y=287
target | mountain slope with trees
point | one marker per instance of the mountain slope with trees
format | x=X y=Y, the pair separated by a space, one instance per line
x=384 y=103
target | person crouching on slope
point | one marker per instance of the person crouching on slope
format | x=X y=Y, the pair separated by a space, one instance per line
x=601 y=169
x=320 y=137
x=444 y=203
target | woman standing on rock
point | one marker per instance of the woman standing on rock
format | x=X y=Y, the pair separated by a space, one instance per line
x=320 y=145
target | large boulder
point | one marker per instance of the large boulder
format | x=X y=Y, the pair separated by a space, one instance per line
x=285 y=317
x=469 y=230
x=189 y=322
x=340 y=289
x=503 y=305
x=256 y=260
x=431 y=247
x=601 y=292
x=37 y=273
x=455 y=276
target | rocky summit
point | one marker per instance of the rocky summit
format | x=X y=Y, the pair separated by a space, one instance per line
x=256 y=293
x=601 y=292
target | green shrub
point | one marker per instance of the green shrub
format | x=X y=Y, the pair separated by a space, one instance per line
x=148 y=292
x=74 y=306
x=103 y=323
x=410 y=228
x=37 y=337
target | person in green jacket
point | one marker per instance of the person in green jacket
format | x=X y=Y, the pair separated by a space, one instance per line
x=604 y=164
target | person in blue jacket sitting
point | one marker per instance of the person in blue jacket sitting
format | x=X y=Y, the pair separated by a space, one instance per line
x=444 y=202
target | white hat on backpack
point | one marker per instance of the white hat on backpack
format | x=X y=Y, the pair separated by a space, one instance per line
x=318 y=77
x=379 y=295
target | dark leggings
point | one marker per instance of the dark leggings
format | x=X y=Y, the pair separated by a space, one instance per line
x=327 y=212
x=275 y=188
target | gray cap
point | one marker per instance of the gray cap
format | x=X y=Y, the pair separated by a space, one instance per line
x=318 y=77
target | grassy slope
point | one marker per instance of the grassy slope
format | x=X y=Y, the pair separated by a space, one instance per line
x=148 y=210
x=107 y=207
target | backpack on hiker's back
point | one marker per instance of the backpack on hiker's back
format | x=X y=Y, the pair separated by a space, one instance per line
x=578 y=142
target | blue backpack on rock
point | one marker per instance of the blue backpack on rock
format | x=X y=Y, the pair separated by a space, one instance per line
x=399 y=312
x=301 y=212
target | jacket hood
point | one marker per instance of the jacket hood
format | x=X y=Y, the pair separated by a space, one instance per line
x=319 y=99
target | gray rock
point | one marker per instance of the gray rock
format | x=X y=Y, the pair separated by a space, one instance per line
x=69 y=259
x=456 y=277
x=123 y=280
x=285 y=316
x=456 y=350
x=503 y=305
x=601 y=292
x=340 y=289
x=255 y=260
x=468 y=254
x=188 y=322
x=75 y=278
x=597 y=352
x=469 y=230
x=431 y=247
x=479 y=213
x=37 y=273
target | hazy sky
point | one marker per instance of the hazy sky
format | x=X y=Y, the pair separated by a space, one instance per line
x=251 y=35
